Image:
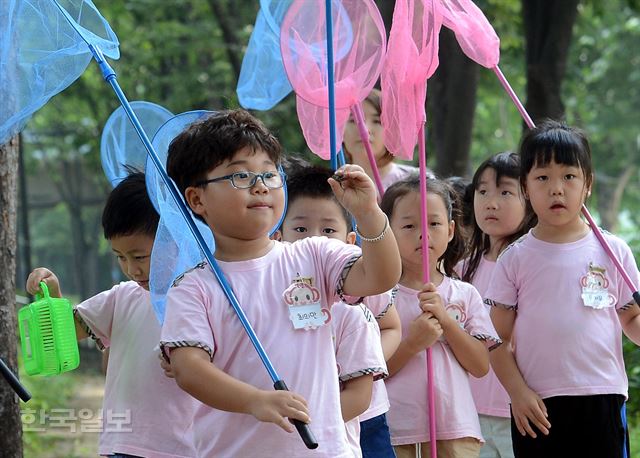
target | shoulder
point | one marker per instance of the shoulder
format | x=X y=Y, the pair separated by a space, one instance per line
x=191 y=273
x=514 y=248
x=463 y=287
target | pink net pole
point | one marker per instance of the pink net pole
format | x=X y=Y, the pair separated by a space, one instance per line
x=358 y=115
x=424 y=225
x=594 y=227
x=507 y=87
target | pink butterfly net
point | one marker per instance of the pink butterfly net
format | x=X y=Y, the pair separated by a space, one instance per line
x=304 y=54
x=473 y=32
x=412 y=57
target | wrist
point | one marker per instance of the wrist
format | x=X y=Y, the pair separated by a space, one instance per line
x=253 y=401
x=371 y=224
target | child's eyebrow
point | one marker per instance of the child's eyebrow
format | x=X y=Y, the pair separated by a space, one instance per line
x=245 y=162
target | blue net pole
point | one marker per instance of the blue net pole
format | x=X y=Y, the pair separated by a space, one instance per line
x=109 y=76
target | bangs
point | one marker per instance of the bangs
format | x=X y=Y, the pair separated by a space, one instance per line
x=505 y=165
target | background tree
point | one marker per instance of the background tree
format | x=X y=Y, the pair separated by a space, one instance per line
x=10 y=425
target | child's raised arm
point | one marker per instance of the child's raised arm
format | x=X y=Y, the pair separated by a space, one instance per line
x=52 y=282
x=196 y=375
x=526 y=405
x=379 y=267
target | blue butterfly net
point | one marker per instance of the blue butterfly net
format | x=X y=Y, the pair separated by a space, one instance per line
x=263 y=82
x=41 y=53
x=175 y=250
x=121 y=147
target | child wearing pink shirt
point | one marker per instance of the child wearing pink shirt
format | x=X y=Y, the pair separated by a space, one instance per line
x=560 y=305
x=390 y=170
x=314 y=211
x=446 y=315
x=498 y=217
x=137 y=394
x=226 y=166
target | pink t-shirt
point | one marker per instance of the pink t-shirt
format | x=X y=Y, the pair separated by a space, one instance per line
x=379 y=305
x=456 y=415
x=562 y=346
x=490 y=396
x=396 y=173
x=137 y=393
x=294 y=284
x=358 y=352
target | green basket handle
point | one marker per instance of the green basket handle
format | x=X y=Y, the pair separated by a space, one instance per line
x=45 y=291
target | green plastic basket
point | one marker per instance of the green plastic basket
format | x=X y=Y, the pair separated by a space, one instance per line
x=48 y=335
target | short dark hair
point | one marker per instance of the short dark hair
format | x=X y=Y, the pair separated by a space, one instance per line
x=555 y=141
x=311 y=181
x=505 y=164
x=209 y=142
x=456 y=247
x=129 y=210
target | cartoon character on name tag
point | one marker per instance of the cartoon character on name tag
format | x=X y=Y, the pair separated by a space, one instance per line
x=594 y=288
x=305 y=310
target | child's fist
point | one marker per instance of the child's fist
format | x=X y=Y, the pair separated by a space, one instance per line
x=45 y=275
x=424 y=331
x=279 y=407
x=354 y=190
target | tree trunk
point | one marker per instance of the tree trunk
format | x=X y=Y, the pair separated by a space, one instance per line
x=548 y=27
x=610 y=191
x=10 y=424
x=451 y=96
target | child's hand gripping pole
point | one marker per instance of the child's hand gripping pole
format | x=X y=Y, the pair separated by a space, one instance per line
x=594 y=227
x=303 y=429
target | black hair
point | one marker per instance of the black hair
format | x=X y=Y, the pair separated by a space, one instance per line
x=504 y=164
x=456 y=247
x=462 y=187
x=209 y=142
x=555 y=141
x=311 y=181
x=129 y=210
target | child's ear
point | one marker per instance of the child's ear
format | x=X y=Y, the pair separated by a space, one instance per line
x=277 y=235
x=452 y=230
x=193 y=197
x=351 y=238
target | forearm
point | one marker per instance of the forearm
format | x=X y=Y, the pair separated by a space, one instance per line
x=390 y=339
x=504 y=365
x=471 y=353
x=355 y=398
x=400 y=358
x=81 y=332
x=390 y=331
x=630 y=321
x=196 y=375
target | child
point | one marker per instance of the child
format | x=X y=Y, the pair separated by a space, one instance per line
x=446 y=315
x=390 y=171
x=226 y=167
x=559 y=300
x=138 y=398
x=499 y=216
x=314 y=211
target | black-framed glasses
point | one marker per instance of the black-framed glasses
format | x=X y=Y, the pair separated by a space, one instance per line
x=246 y=180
